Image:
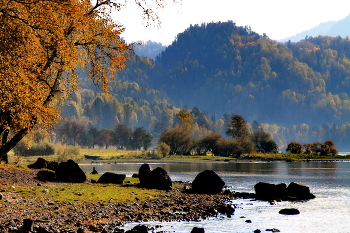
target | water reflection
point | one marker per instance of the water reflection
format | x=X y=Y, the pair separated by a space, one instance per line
x=234 y=174
x=329 y=181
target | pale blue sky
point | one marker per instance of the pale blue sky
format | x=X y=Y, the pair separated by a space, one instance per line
x=277 y=18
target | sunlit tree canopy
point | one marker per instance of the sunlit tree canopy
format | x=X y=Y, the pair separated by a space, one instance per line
x=43 y=43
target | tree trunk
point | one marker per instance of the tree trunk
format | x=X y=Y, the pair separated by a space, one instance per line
x=7 y=146
x=4 y=158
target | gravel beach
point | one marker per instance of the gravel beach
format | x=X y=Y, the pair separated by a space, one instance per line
x=45 y=215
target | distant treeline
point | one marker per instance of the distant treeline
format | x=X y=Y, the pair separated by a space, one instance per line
x=296 y=91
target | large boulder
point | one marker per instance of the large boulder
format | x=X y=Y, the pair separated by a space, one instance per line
x=41 y=163
x=294 y=191
x=207 y=182
x=45 y=175
x=197 y=230
x=144 y=171
x=112 y=178
x=267 y=191
x=161 y=179
x=70 y=172
x=138 y=229
x=299 y=191
x=291 y=211
x=154 y=179
x=144 y=174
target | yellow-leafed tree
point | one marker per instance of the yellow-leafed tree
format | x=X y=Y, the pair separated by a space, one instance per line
x=42 y=45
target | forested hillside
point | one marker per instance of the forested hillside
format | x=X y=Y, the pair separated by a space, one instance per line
x=223 y=68
x=296 y=91
x=129 y=103
x=148 y=49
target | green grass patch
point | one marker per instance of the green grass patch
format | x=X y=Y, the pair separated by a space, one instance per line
x=145 y=156
x=112 y=155
x=87 y=192
x=20 y=167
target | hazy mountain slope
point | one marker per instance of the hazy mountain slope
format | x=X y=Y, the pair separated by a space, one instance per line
x=299 y=91
x=222 y=68
x=148 y=49
x=331 y=28
x=131 y=101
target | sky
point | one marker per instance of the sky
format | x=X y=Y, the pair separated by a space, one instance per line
x=277 y=18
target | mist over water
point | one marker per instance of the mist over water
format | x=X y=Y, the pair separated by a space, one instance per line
x=328 y=212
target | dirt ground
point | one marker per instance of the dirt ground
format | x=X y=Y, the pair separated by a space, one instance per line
x=45 y=215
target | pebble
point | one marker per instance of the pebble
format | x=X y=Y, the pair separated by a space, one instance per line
x=273 y=230
x=182 y=207
x=291 y=211
x=45 y=191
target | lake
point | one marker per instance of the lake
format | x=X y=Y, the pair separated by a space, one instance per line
x=328 y=181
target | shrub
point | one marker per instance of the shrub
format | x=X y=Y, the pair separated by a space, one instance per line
x=334 y=151
x=326 y=148
x=308 y=147
x=178 y=139
x=153 y=154
x=263 y=142
x=41 y=148
x=315 y=148
x=233 y=147
x=163 y=149
x=294 y=148
x=66 y=152
x=269 y=146
x=208 y=142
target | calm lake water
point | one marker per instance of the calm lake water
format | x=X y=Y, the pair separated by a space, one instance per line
x=328 y=212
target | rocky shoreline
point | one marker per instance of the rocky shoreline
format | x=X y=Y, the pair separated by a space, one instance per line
x=174 y=201
x=44 y=215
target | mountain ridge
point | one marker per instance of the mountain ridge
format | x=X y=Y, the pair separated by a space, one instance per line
x=298 y=91
x=220 y=66
x=330 y=28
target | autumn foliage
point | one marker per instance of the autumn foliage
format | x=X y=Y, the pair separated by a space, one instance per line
x=42 y=45
x=324 y=149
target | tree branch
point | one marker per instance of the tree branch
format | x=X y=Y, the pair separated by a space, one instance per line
x=54 y=88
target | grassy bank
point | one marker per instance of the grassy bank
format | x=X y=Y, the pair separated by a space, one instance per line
x=112 y=155
x=80 y=193
x=86 y=193
x=93 y=207
x=291 y=157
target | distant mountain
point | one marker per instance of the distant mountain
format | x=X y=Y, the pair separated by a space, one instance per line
x=148 y=49
x=222 y=68
x=298 y=90
x=331 y=28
